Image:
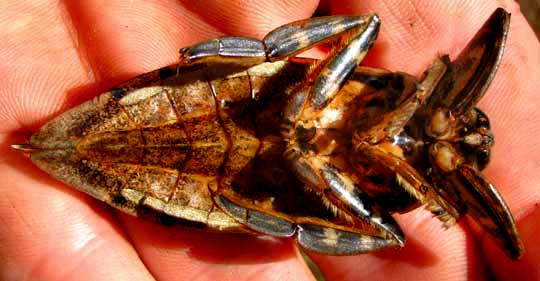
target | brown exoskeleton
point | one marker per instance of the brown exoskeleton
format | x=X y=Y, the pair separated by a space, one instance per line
x=243 y=136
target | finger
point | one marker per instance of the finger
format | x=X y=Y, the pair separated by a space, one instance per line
x=51 y=232
x=42 y=63
x=250 y=18
x=430 y=253
x=80 y=48
x=101 y=43
x=414 y=32
x=527 y=267
x=120 y=39
x=183 y=253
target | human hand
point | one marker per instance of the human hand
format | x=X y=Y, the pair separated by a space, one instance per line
x=412 y=34
x=58 y=55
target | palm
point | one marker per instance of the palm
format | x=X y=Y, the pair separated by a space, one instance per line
x=58 y=55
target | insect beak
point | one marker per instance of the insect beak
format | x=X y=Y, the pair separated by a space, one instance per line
x=470 y=74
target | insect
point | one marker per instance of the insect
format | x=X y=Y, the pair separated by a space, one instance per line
x=243 y=136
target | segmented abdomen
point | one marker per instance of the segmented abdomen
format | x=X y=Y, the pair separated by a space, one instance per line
x=164 y=140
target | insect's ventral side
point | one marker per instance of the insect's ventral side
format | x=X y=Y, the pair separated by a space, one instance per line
x=243 y=136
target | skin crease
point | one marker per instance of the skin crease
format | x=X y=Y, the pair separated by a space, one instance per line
x=57 y=54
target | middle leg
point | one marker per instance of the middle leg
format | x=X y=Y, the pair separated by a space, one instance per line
x=283 y=42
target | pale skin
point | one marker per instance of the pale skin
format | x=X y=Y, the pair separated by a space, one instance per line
x=57 y=54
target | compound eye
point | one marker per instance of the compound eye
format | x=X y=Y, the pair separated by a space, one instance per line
x=482 y=120
x=482 y=158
